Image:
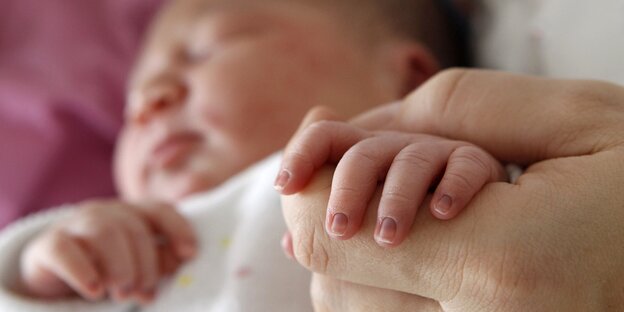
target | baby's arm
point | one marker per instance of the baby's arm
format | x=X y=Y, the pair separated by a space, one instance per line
x=408 y=164
x=106 y=247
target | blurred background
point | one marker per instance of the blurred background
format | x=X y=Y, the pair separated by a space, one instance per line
x=63 y=71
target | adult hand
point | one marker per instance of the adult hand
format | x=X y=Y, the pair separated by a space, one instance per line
x=333 y=295
x=554 y=240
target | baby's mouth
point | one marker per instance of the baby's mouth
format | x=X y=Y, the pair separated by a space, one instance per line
x=173 y=150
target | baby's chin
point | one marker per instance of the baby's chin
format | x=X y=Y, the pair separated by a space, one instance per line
x=176 y=189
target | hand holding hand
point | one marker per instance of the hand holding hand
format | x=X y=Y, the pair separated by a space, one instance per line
x=549 y=242
x=408 y=165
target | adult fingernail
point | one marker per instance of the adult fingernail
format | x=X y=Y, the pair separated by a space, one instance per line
x=282 y=180
x=387 y=231
x=339 y=224
x=443 y=206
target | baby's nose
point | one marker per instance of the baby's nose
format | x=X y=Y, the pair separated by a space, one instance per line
x=158 y=98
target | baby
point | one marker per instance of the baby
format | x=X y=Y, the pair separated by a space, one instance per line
x=220 y=86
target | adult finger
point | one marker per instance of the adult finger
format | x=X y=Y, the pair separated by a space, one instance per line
x=548 y=237
x=378 y=118
x=333 y=295
x=520 y=119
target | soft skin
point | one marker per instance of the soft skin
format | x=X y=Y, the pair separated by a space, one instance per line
x=220 y=85
x=408 y=164
x=232 y=83
x=550 y=242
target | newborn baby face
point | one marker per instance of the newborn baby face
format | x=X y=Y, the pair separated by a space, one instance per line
x=220 y=86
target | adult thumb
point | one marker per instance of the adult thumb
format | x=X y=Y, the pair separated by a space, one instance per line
x=520 y=119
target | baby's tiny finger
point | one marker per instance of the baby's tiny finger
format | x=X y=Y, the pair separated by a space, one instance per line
x=68 y=260
x=176 y=229
x=115 y=258
x=167 y=260
x=145 y=254
x=319 y=143
x=413 y=170
x=355 y=180
x=469 y=168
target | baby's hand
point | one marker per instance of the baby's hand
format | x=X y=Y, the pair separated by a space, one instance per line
x=408 y=164
x=107 y=247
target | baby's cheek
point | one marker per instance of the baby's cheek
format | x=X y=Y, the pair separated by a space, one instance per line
x=128 y=164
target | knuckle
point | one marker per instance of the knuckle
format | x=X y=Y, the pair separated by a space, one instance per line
x=139 y=231
x=459 y=182
x=300 y=155
x=414 y=156
x=101 y=232
x=472 y=157
x=449 y=76
x=56 y=243
x=310 y=251
x=318 y=129
x=362 y=152
x=396 y=197
x=345 y=195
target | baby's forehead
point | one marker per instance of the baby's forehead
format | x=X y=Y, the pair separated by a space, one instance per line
x=189 y=13
x=191 y=18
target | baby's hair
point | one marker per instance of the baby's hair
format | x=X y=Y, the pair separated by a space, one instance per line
x=432 y=22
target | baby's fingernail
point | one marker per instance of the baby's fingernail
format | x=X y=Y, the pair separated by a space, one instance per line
x=339 y=224
x=387 y=231
x=94 y=286
x=443 y=206
x=121 y=293
x=282 y=180
x=187 y=250
x=147 y=296
x=96 y=289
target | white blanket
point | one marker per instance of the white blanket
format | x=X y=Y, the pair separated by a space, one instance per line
x=240 y=266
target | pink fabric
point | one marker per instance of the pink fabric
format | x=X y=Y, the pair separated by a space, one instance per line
x=63 y=69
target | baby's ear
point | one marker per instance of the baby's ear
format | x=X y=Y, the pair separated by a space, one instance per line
x=411 y=64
